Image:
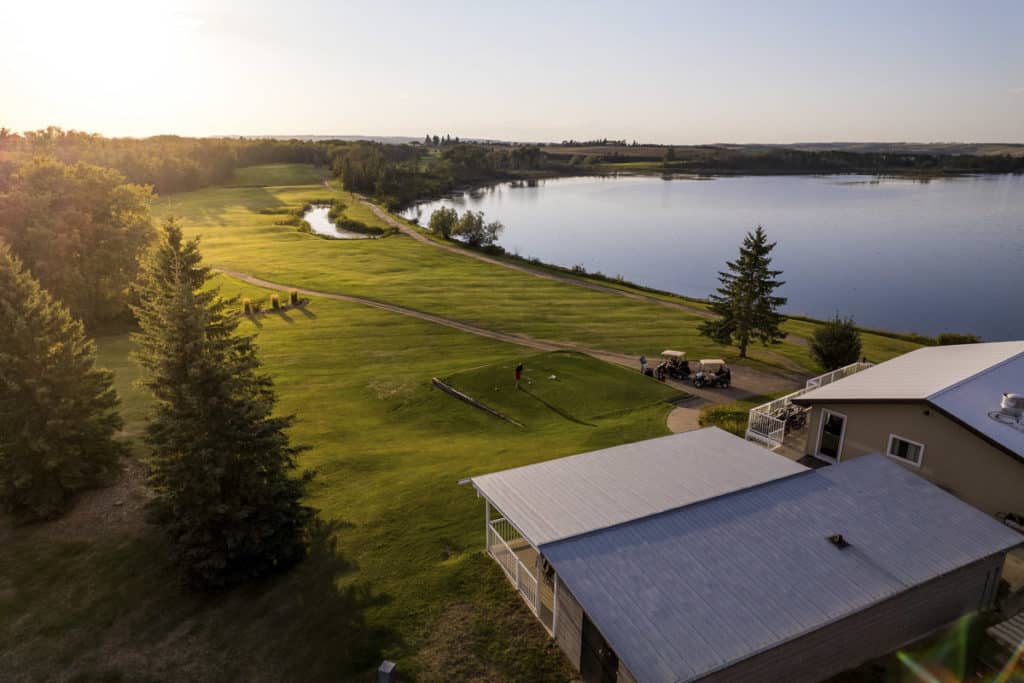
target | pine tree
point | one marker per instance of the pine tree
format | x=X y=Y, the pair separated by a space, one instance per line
x=221 y=462
x=58 y=412
x=745 y=301
x=836 y=343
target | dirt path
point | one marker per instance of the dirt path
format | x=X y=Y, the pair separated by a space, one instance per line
x=746 y=381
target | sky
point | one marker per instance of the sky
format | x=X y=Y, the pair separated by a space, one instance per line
x=668 y=72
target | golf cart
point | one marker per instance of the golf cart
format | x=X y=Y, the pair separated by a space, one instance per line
x=673 y=364
x=713 y=372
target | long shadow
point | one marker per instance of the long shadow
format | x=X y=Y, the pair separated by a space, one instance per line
x=304 y=310
x=555 y=409
x=319 y=614
x=283 y=315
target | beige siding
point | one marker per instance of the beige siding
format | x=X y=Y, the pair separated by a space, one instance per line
x=954 y=458
x=569 y=626
x=624 y=676
x=871 y=633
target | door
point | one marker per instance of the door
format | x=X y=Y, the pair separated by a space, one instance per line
x=598 y=662
x=830 y=437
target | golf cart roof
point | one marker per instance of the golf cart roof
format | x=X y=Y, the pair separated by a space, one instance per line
x=712 y=361
x=674 y=354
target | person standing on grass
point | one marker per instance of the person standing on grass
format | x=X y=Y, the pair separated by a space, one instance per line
x=519 y=374
x=643 y=364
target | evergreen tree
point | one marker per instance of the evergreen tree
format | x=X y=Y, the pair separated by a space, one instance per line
x=745 y=301
x=836 y=343
x=221 y=460
x=58 y=412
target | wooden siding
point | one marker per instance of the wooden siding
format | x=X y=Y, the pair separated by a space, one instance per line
x=870 y=633
x=954 y=458
x=569 y=629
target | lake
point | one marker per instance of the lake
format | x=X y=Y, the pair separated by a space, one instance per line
x=904 y=255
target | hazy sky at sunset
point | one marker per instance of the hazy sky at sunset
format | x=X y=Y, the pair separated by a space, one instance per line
x=679 y=72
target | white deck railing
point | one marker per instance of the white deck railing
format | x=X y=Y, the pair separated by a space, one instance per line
x=766 y=423
x=518 y=573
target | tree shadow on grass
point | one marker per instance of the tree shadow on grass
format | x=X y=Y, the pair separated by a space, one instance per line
x=283 y=315
x=317 y=617
x=304 y=310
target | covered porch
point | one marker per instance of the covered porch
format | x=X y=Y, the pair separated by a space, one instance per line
x=781 y=425
x=523 y=566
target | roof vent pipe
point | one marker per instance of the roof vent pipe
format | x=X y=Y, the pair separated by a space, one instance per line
x=838 y=541
x=1013 y=404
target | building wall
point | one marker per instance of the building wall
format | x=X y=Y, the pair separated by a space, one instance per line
x=873 y=632
x=569 y=625
x=954 y=458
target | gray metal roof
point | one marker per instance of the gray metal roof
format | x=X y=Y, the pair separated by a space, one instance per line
x=918 y=374
x=683 y=593
x=972 y=400
x=560 y=498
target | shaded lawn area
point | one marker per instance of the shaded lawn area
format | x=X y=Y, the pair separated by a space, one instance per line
x=562 y=384
x=409 y=580
x=399 y=270
x=280 y=174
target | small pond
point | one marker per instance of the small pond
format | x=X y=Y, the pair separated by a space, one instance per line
x=322 y=225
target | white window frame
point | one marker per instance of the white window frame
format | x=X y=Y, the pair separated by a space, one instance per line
x=888 y=450
x=825 y=412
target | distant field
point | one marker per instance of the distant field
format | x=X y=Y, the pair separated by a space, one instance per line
x=280 y=174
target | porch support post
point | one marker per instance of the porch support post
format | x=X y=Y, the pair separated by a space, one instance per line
x=554 y=609
x=487 y=525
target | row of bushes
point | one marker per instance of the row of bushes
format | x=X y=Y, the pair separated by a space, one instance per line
x=250 y=307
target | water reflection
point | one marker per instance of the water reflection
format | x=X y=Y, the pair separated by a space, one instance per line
x=899 y=254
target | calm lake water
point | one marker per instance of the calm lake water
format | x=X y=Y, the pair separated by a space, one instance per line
x=904 y=255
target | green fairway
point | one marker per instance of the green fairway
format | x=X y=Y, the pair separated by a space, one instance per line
x=560 y=386
x=401 y=271
x=280 y=174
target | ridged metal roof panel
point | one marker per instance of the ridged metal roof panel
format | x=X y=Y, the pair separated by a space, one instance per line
x=688 y=591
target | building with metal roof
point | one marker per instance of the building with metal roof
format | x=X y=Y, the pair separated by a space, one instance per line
x=945 y=412
x=570 y=496
x=796 y=577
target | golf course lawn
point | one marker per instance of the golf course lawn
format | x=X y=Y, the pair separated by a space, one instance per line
x=92 y=596
x=399 y=270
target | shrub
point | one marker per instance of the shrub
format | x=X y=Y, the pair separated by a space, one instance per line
x=950 y=338
x=836 y=343
x=293 y=297
x=247 y=307
x=275 y=302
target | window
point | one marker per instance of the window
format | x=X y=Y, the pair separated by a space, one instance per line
x=905 y=449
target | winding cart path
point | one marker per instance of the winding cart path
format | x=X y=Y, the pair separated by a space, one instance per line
x=747 y=381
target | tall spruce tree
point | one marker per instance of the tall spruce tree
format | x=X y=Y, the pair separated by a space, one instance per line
x=58 y=411
x=221 y=465
x=745 y=300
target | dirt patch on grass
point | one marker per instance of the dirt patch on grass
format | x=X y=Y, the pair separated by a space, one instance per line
x=114 y=510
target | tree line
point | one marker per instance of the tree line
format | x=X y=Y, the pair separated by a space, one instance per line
x=168 y=163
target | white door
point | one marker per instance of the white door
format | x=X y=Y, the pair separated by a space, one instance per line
x=830 y=436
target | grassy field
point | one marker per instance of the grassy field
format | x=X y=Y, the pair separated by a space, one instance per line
x=401 y=271
x=92 y=596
